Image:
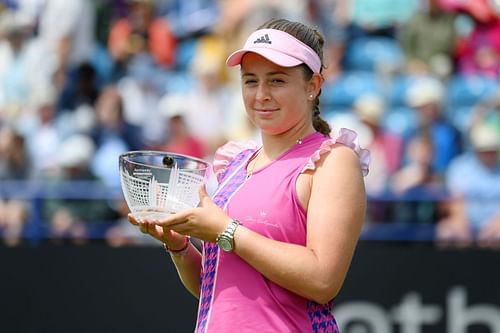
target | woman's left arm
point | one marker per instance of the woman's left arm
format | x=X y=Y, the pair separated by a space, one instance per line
x=336 y=212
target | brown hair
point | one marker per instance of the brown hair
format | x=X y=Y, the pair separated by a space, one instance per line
x=314 y=39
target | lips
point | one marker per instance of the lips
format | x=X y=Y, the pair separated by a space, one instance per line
x=266 y=113
x=265 y=110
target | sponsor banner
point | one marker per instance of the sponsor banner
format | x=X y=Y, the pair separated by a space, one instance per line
x=418 y=288
x=390 y=288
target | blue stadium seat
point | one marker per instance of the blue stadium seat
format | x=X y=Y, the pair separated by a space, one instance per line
x=103 y=64
x=468 y=90
x=400 y=120
x=179 y=82
x=396 y=92
x=184 y=54
x=368 y=53
x=461 y=117
x=341 y=118
x=342 y=92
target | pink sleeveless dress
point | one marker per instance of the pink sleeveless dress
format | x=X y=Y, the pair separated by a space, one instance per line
x=234 y=296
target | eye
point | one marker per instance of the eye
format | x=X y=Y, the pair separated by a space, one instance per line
x=277 y=81
x=249 y=81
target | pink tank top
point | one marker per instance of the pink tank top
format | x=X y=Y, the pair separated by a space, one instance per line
x=234 y=296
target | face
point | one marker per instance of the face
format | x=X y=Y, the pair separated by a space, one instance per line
x=429 y=112
x=277 y=99
x=108 y=108
x=488 y=158
x=421 y=151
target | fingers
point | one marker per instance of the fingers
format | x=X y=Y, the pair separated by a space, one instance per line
x=173 y=219
x=489 y=238
x=145 y=227
x=449 y=235
x=173 y=239
x=155 y=228
x=150 y=228
x=203 y=194
x=132 y=219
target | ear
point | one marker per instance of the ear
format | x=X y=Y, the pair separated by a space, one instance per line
x=314 y=85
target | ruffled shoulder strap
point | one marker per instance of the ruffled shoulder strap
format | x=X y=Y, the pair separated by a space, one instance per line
x=346 y=137
x=226 y=153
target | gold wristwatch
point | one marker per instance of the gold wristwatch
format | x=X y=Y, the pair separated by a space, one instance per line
x=225 y=240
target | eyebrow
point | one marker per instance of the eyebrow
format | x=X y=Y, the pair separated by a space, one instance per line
x=267 y=74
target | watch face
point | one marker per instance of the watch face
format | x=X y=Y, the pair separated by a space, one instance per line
x=225 y=244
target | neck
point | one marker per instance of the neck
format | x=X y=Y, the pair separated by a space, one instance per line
x=275 y=145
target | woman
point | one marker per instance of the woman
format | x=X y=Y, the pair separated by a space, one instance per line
x=280 y=231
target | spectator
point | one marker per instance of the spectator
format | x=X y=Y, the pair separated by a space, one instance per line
x=143 y=48
x=141 y=33
x=73 y=218
x=42 y=133
x=191 y=19
x=378 y=17
x=429 y=41
x=426 y=96
x=419 y=188
x=66 y=29
x=14 y=165
x=385 y=151
x=386 y=148
x=206 y=105
x=478 y=52
x=417 y=172
x=21 y=65
x=180 y=140
x=81 y=91
x=473 y=180
x=113 y=135
x=111 y=120
x=14 y=161
x=331 y=18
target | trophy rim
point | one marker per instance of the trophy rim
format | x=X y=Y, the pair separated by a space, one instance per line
x=123 y=157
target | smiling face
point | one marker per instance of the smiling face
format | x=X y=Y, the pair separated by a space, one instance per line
x=277 y=99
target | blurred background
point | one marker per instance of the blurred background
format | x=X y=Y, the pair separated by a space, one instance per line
x=82 y=81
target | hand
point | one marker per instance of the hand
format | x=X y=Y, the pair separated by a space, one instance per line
x=172 y=239
x=453 y=233
x=205 y=222
x=489 y=235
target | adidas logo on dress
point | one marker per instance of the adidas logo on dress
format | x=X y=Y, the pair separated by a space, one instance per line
x=264 y=39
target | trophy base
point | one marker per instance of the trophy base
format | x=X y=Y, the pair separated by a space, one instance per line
x=152 y=214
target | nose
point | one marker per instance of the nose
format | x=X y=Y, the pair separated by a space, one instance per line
x=263 y=93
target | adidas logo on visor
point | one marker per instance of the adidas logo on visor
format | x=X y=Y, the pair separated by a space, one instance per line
x=264 y=39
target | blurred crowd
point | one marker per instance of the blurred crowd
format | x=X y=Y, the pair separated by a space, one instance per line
x=83 y=81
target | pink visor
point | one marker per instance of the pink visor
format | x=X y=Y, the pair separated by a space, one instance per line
x=278 y=47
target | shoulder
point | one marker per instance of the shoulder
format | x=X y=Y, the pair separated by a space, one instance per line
x=341 y=163
x=445 y=127
x=227 y=153
x=343 y=146
x=465 y=163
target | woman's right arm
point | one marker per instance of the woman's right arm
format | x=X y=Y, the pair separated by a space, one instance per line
x=187 y=263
